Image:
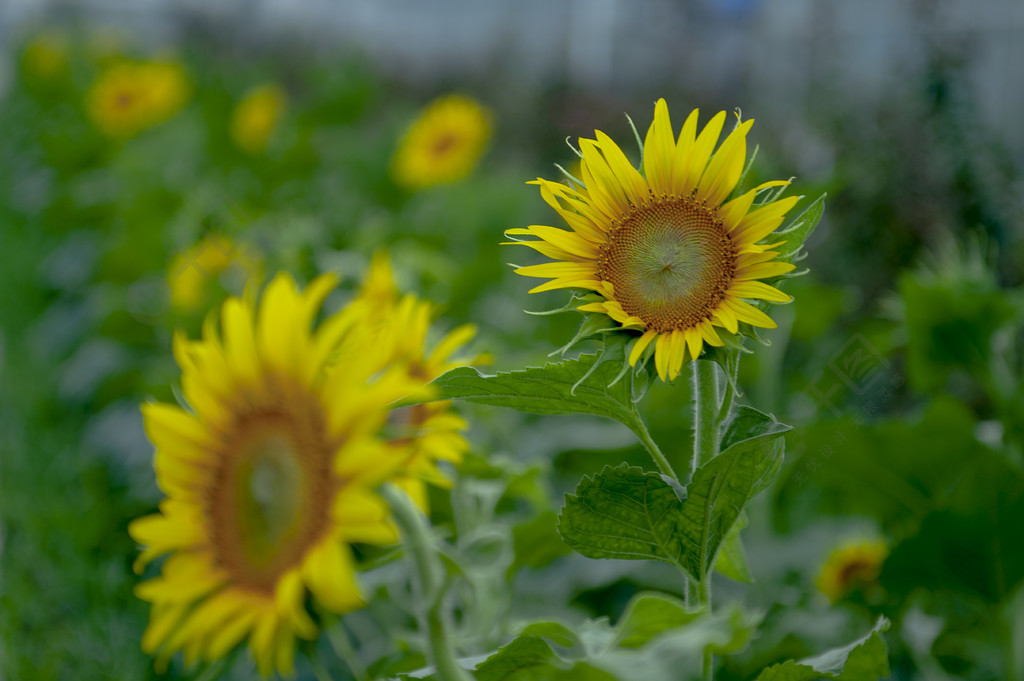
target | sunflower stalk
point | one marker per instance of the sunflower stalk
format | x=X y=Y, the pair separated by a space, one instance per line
x=429 y=583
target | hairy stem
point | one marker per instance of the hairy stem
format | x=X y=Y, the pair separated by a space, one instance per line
x=429 y=583
x=706 y=413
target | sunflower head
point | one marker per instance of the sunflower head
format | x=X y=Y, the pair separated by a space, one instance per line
x=399 y=326
x=443 y=144
x=256 y=116
x=270 y=475
x=853 y=566
x=193 y=272
x=672 y=253
x=131 y=96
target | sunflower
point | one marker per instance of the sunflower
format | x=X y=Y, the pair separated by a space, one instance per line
x=269 y=477
x=256 y=116
x=443 y=144
x=192 y=271
x=853 y=566
x=399 y=327
x=131 y=96
x=664 y=252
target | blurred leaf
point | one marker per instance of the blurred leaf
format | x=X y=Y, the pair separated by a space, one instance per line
x=748 y=423
x=971 y=543
x=647 y=615
x=537 y=542
x=863 y=660
x=950 y=326
x=894 y=471
x=654 y=640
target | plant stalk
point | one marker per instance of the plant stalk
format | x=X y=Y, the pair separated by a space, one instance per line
x=706 y=400
x=429 y=583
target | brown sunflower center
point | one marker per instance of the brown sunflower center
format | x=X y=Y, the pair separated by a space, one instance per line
x=670 y=263
x=270 y=501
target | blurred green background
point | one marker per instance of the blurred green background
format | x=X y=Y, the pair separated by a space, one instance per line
x=901 y=362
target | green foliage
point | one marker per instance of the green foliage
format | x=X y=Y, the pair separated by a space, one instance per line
x=800 y=229
x=863 y=660
x=625 y=512
x=656 y=638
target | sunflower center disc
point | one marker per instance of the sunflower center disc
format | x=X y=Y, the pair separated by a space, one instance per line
x=670 y=264
x=270 y=502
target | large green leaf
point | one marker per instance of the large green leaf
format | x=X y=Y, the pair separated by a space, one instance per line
x=655 y=640
x=574 y=386
x=624 y=512
x=720 y=490
x=863 y=660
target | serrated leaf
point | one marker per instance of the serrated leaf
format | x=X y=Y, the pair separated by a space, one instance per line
x=732 y=559
x=623 y=512
x=798 y=232
x=866 y=659
x=719 y=491
x=548 y=389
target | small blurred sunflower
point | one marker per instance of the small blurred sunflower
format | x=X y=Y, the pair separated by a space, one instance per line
x=853 y=566
x=269 y=477
x=399 y=326
x=256 y=116
x=666 y=255
x=47 y=55
x=131 y=96
x=443 y=144
x=192 y=272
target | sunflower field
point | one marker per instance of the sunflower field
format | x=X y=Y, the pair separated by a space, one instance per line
x=312 y=371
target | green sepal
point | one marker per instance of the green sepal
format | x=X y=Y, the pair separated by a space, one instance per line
x=800 y=229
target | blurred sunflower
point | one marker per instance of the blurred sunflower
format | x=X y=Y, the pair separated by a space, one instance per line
x=192 y=272
x=131 y=96
x=399 y=326
x=855 y=565
x=269 y=477
x=47 y=55
x=443 y=144
x=664 y=251
x=256 y=116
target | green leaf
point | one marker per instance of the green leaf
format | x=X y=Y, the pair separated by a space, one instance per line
x=623 y=512
x=530 y=658
x=649 y=614
x=548 y=389
x=732 y=559
x=628 y=513
x=801 y=228
x=863 y=660
x=748 y=423
x=719 y=492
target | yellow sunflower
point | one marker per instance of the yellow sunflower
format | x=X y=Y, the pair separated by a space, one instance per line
x=191 y=272
x=443 y=144
x=853 y=566
x=665 y=252
x=269 y=477
x=399 y=327
x=256 y=116
x=131 y=96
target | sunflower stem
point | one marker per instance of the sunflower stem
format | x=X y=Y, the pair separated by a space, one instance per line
x=706 y=413
x=707 y=417
x=337 y=636
x=319 y=668
x=428 y=582
x=732 y=371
